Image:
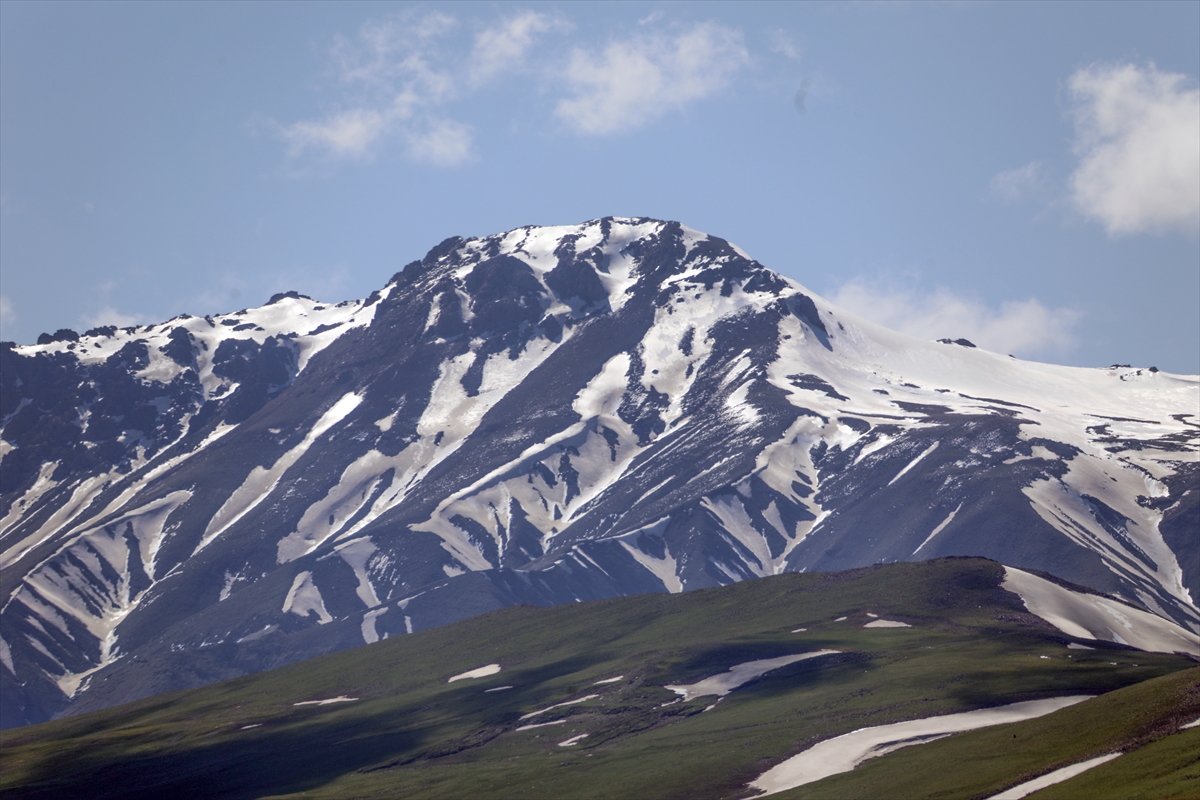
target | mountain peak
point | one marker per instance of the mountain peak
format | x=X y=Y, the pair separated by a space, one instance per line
x=557 y=256
x=545 y=415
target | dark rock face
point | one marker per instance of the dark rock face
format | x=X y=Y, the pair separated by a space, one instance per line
x=541 y=416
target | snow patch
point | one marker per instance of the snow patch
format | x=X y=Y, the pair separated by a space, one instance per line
x=914 y=462
x=472 y=674
x=304 y=598
x=941 y=526
x=6 y=656
x=844 y=753
x=261 y=481
x=665 y=568
x=356 y=553
x=560 y=705
x=542 y=724
x=726 y=682
x=1051 y=778
x=369 y=634
x=1088 y=616
x=25 y=504
x=330 y=701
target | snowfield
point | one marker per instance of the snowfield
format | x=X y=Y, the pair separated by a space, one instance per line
x=1090 y=616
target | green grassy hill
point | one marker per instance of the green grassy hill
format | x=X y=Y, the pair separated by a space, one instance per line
x=409 y=733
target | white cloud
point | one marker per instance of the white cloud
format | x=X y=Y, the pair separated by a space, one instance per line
x=1024 y=327
x=322 y=283
x=505 y=46
x=1019 y=183
x=398 y=80
x=783 y=44
x=349 y=133
x=396 y=49
x=630 y=83
x=7 y=316
x=1137 y=134
x=400 y=74
x=443 y=143
x=395 y=84
x=108 y=315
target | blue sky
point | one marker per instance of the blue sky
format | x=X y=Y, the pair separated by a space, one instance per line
x=1025 y=175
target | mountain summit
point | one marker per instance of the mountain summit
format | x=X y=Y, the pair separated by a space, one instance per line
x=541 y=416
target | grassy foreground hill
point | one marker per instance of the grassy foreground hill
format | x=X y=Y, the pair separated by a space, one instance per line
x=603 y=666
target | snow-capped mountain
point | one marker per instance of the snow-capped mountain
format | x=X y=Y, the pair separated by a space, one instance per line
x=541 y=416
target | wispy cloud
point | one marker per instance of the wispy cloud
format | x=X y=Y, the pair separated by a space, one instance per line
x=108 y=315
x=353 y=133
x=398 y=81
x=1020 y=183
x=442 y=142
x=1024 y=327
x=784 y=45
x=505 y=47
x=1137 y=135
x=628 y=83
x=8 y=317
x=395 y=84
x=400 y=76
x=328 y=284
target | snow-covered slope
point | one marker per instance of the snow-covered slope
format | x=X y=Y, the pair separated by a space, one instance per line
x=540 y=416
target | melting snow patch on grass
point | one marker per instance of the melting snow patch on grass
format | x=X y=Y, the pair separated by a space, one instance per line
x=608 y=680
x=844 y=753
x=340 y=699
x=886 y=623
x=739 y=674
x=471 y=674
x=574 y=740
x=496 y=689
x=1051 y=778
x=560 y=705
x=541 y=725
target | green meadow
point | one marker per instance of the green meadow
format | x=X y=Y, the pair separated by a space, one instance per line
x=410 y=733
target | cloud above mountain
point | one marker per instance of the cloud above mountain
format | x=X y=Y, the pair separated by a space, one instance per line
x=629 y=83
x=398 y=80
x=394 y=84
x=1026 y=328
x=1137 y=135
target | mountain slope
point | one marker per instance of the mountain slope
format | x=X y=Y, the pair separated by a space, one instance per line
x=430 y=714
x=541 y=416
